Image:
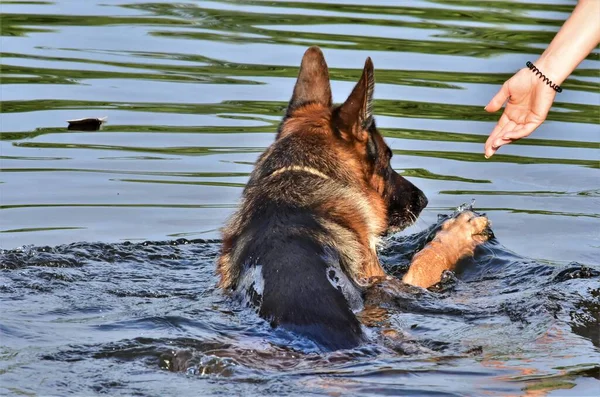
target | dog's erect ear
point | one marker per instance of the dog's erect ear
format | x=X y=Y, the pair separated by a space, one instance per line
x=356 y=114
x=313 y=84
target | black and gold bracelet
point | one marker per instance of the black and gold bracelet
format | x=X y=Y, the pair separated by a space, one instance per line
x=541 y=75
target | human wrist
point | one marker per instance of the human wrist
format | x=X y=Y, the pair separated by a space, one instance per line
x=555 y=70
x=578 y=36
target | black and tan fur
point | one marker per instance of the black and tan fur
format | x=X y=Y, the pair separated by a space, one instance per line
x=302 y=245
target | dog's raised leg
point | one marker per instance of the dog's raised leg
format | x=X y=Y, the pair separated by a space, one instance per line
x=457 y=239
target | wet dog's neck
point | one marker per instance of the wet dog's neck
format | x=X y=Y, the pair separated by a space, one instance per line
x=298 y=168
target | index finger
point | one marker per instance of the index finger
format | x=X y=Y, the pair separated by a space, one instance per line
x=502 y=122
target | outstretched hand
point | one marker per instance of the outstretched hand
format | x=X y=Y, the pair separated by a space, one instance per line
x=529 y=100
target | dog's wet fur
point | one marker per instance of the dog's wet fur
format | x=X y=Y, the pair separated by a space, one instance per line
x=302 y=244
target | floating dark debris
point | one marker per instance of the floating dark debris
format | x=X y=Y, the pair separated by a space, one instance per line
x=87 y=124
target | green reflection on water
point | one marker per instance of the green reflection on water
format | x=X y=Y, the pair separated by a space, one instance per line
x=40 y=229
x=185 y=150
x=577 y=113
x=171 y=182
x=13 y=206
x=499 y=158
x=541 y=193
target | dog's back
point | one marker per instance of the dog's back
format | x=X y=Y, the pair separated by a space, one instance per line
x=284 y=274
x=291 y=268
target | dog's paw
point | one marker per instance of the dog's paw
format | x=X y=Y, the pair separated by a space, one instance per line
x=466 y=230
x=456 y=239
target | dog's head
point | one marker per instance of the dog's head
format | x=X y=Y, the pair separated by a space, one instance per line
x=353 y=126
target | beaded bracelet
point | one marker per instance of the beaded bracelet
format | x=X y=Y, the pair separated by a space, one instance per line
x=541 y=75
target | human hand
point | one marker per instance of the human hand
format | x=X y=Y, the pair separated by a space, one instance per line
x=529 y=100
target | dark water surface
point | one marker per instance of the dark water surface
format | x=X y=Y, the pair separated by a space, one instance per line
x=108 y=259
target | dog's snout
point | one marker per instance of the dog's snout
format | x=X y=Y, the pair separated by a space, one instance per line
x=418 y=201
x=422 y=200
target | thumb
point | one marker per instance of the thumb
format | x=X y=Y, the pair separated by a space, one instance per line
x=498 y=100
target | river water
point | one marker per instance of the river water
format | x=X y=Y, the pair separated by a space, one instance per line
x=109 y=237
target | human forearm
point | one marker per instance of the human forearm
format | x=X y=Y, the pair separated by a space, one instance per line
x=575 y=40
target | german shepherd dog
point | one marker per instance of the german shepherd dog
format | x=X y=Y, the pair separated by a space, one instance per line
x=302 y=246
